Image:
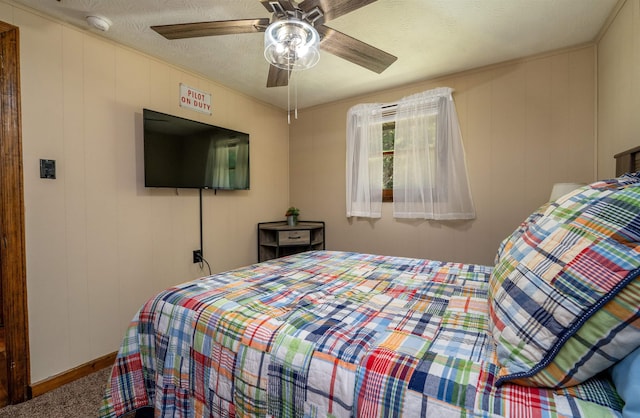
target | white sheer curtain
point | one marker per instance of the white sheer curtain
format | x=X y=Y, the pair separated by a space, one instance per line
x=218 y=164
x=242 y=166
x=429 y=172
x=364 y=161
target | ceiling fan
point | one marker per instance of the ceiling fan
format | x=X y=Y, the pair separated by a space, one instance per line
x=310 y=12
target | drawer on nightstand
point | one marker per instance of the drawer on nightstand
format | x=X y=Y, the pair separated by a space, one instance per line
x=294 y=237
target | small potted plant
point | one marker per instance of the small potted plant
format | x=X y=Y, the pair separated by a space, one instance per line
x=292 y=216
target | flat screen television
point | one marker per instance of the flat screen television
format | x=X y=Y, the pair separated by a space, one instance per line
x=183 y=153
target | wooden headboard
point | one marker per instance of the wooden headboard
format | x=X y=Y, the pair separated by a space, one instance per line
x=627 y=161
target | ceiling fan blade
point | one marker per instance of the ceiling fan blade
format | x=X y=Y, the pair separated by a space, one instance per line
x=286 y=5
x=277 y=77
x=351 y=49
x=220 y=27
x=334 y=8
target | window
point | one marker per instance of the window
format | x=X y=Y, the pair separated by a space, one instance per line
x=388 y=137
x=412 y=154
x=388 y=145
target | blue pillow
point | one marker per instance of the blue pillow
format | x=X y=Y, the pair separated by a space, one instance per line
x=626 y=378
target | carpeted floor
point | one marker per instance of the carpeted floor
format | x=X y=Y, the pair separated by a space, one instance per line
x=79 y=399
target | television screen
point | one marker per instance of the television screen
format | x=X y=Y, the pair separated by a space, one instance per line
x=182 y=153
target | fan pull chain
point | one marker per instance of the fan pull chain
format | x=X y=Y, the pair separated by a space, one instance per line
x=295 y=95
x=289 y=90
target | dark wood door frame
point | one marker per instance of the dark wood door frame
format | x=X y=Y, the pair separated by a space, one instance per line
x=13 y=280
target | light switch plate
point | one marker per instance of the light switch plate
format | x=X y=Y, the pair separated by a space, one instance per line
x=47 y=169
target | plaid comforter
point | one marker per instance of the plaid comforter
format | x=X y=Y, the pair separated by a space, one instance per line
x=329 y=334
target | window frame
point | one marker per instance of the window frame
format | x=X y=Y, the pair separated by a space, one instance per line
x=390 y=123
x=387 y=194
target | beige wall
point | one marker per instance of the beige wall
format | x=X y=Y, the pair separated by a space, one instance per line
x=525 y=126
x=98 y=242
x=619 y=86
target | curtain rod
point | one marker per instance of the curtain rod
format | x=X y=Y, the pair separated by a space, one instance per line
x=393 y=105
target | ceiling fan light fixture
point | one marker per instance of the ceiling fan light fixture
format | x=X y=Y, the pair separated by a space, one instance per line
x=291 y=44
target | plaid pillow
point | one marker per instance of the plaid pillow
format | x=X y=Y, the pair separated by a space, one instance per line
x=564 y=299
x=508 y=242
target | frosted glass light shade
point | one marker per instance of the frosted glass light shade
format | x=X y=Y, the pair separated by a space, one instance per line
x=291 y=44
x=561 y=189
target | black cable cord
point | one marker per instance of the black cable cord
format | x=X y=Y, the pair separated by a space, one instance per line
x=202 y=260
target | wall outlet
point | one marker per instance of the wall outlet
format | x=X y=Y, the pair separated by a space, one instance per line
x=197 y=256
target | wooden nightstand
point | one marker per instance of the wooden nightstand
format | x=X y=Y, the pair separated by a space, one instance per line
x=277 y=239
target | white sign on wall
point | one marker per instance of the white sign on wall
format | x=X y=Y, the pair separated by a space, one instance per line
x=194 y=99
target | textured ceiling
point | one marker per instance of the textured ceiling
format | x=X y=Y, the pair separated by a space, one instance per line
x=429 y=37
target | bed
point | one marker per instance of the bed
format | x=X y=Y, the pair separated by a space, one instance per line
x=552 y=330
